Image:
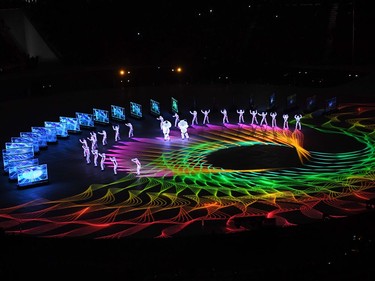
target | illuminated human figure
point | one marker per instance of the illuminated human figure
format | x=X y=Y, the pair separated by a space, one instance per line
x=87 y=153
x=298 y=121
x=225 y=116
x=95 y=152
x=94 y=140
x=102 y=160
x=136 y=161
x=166 y=126
x=104 y=134
x=195 y=117
x=254 y=119
x=264 y=119
x=285 y=125
x=273 y=121
x=161 y=119
x=130 y=125
x=116 y=128
x=115 y=164
x=206 y=119
x=176 y=119
x=84 y=145
x=183 y=125
x=240 y=115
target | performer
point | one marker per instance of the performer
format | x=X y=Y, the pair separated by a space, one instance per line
x=285 y=125
x=183 y=125
x=116 y=128
x=166 y=129
x=87 y=153
x=263 y=120
x=84 y=145
x=254 y=113
x=136 y=161
x=95 y=152
x=161 y=119
x=94 y=140
x=225 y=116
x=206 y=119
x=103 y=157
x=104 y=134
x=273 y=122
x=240 y=117
x=176 y=119
x=298 y=121
x=195 y=117
x=130 y=129
x=115 y=165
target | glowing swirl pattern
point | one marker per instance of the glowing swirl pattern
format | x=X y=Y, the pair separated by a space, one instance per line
x=181 y=193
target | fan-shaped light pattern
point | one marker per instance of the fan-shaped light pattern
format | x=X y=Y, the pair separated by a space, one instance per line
x=179 y=192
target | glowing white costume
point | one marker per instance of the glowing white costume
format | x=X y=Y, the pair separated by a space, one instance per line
x=166 y=126
x=225 y=116
x=195 y=117
x=183 y=125
x=136 y=161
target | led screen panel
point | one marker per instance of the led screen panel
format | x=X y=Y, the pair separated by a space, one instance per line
x=174 y=105
x=72 y=124
x=154 y=107
x=9 y=145
x=117 y=112
x=85 y=119
x=14 y=165
x=16 y=154
x=37 y=138
x=32 y=175
x=136 y=110
x=31 y=140
x=51 y=134
x=60 y=128
x=43 y=140
x=101 y=116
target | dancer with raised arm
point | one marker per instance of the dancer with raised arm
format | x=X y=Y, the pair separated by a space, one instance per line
x=84 y=146
x=273 y=121
x=104 y=134
x=176 y=119
x=254 y=119
x=139 y=166
x=95 y=152
x=225 y=115
x=206 y=119
x=130 y=125
x=94 y=140
x=264 y=119
x=298 y=121
x=240 y=116
x=195 y=117
x=116 y=128
x=161 y=119
x=285 y=125
x=102 y=160
x=115 y=164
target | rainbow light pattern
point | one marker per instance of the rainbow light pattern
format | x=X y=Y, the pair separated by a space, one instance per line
x=180 y=193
